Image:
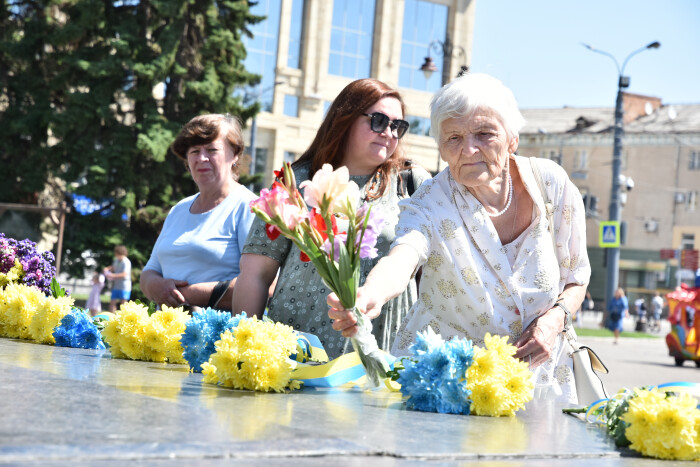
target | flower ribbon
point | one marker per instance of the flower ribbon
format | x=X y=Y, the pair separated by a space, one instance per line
x=345 y=369
x=594 y=415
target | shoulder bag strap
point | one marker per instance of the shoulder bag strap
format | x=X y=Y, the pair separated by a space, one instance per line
x=548 y=205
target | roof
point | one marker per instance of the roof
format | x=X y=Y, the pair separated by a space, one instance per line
x=677 y=118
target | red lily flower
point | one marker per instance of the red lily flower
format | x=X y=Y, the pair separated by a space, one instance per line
x=304 y=257
x=319 y=223
x=272 y=232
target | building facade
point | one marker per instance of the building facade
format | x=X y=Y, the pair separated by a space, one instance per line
x=661 y=180
x=307 y=51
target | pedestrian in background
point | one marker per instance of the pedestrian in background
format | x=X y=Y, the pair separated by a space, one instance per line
x=94 y=304
x=586 y=305
x=618 y=310
x=657 y=307
x=120 y=275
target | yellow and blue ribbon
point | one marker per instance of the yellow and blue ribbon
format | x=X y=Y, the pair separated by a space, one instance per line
x=309 y=348
x=594 y=412
x=342 y=370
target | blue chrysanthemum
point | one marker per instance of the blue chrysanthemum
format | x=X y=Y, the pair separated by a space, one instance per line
x=434 y=378
x=202 y=331
x=77 y=330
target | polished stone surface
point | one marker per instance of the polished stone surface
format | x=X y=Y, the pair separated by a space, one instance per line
x=63 y=406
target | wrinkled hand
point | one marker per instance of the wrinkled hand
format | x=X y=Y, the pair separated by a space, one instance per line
x=166 y=292
x=343 y=319
x=537 y=341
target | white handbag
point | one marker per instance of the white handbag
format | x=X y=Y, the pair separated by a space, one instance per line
x=589 y=387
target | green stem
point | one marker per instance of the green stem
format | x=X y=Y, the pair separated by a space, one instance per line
x=575 y=410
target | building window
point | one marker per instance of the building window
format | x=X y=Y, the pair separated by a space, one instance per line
x=289 y=156
x=581 y=160
x=423 y=23
x=291 y=106
x=262 y=49
x=296 y=34
x=351 y=38
x=550 y=154
x=694 y=163
x=419 y=125
x=691 y=201
x=687 y=241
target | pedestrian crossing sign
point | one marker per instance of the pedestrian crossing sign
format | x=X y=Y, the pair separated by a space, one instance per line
x=609 y=234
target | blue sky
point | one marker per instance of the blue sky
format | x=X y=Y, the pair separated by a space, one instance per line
x=533 y=46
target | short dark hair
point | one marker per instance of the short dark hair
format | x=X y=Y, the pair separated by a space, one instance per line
x=204 y=129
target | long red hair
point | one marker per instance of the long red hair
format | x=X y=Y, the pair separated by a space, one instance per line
x=328 y=147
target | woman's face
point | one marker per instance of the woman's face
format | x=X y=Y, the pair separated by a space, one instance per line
x=210 y=164
x=367 y=150
x=476 y=147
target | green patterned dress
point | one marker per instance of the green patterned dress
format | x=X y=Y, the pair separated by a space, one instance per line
x=299 y=299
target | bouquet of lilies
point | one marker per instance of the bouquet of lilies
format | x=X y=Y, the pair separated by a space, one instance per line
x=335 y=251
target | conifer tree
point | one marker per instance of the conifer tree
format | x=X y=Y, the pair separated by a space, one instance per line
x=92 y=94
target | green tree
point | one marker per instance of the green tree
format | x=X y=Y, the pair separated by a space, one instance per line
x=94 y=91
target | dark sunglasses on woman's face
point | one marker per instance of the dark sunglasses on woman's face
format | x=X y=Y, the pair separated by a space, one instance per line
x=379 y=121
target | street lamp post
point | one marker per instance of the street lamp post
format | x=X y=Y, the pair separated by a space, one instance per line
x=448 y=51
x=623 y=82
x=254 y=128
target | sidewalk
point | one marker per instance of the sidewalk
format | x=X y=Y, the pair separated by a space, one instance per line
x=635 y=362
x=593 y=319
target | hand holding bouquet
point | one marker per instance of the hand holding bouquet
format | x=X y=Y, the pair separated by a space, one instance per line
x=335 y=251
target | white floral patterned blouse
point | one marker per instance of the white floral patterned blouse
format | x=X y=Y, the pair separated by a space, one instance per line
x=472 y=284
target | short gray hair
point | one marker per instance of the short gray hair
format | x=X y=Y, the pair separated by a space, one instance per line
x=471 y=92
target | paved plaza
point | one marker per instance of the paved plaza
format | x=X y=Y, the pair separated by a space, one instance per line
x=63 y=406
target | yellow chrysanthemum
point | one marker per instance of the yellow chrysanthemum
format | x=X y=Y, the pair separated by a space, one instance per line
x=254 y=355
x=48 y=314
x=500 y=385
x=126 y=330
x=209 y=372
x=18 y=303
x=15 y=274
x=499 y=344
x=663 y=427
x=172 y=322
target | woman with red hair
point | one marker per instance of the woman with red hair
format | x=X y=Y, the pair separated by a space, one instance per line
x=361 y=131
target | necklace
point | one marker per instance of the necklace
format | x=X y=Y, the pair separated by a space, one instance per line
x=510 y=198
x=515 y=217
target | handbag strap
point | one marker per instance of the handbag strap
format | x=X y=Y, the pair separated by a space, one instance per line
x=549 y=210
x=548 y=205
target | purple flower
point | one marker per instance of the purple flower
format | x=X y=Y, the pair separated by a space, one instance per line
x=339 y=240
x=374 y=228
x=38 y=266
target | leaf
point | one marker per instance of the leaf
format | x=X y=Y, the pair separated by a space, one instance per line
x=348 y=277
x=56 y=290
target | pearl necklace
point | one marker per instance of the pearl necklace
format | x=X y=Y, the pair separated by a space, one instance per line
x=510 y=198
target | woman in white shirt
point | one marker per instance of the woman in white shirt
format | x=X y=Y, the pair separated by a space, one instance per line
x=480 y=232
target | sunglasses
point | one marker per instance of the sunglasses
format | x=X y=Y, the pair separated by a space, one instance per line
x=378 y=123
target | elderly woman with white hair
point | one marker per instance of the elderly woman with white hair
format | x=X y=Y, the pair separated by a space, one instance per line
x=479 y=230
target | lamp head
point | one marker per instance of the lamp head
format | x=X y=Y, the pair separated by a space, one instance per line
x=428 y=67
x=654 y=45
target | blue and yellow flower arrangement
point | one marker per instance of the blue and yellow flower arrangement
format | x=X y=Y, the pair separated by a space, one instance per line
x=456 y=377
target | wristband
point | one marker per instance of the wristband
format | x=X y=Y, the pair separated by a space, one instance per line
x=218 y=293
x=567 y=315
